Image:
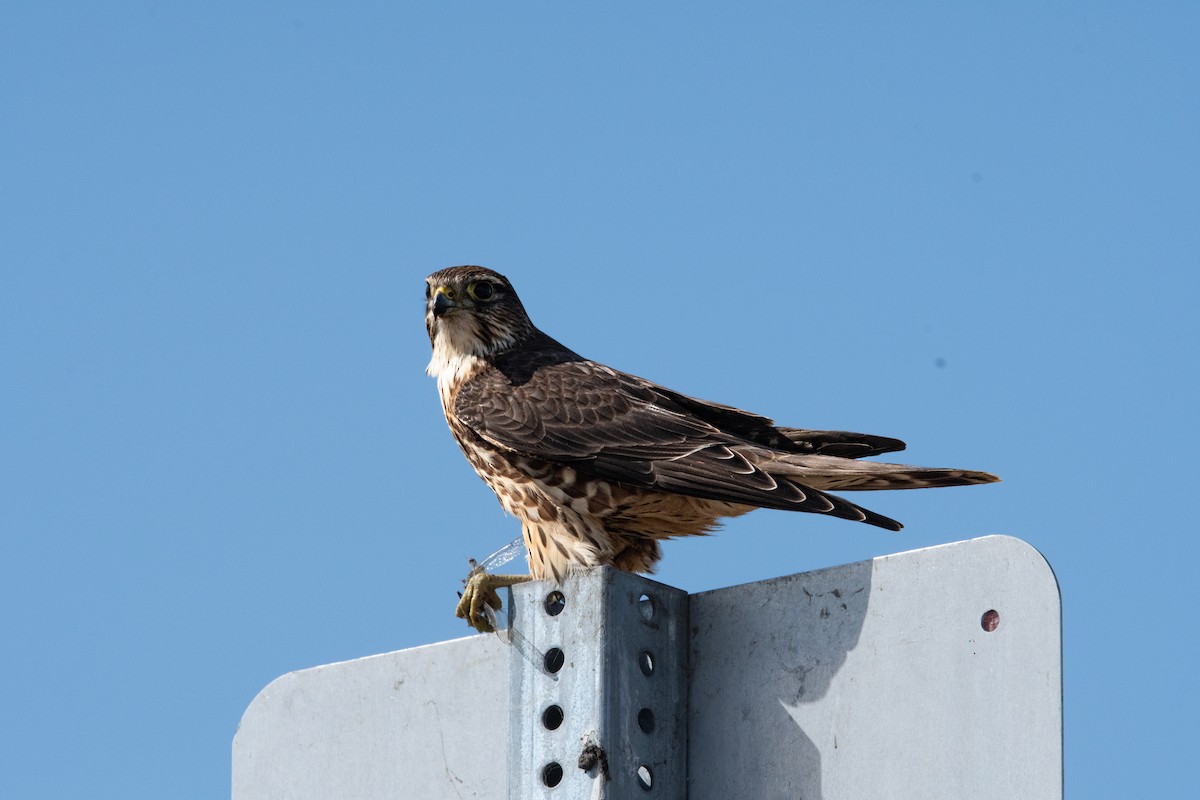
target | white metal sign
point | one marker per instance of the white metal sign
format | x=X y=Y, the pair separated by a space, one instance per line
x=934 y=673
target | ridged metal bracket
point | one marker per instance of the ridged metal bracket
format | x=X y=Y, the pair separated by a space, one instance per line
x=598 y=689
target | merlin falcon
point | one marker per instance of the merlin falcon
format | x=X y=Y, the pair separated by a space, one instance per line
x=601 y=466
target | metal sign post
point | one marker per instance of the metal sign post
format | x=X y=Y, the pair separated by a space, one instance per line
x=934 y=673
x=599 y=689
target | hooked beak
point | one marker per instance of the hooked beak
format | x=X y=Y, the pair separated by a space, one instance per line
x=442 y=304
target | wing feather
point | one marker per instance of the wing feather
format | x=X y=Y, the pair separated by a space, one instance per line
x=547 y=403
x=610 y=425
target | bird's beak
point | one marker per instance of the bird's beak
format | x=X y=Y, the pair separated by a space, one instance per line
x=442 y=304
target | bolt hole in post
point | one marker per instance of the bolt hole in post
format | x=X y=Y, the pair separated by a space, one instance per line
x=646 y=608
x=990 y=620
x=552 y=774
x=645 y=778
x=646 y=662
x=555 y=658
x=552 y=717
x=646 y=720
x=555 y=603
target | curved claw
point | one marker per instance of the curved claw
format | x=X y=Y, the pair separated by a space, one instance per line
x=479 y=592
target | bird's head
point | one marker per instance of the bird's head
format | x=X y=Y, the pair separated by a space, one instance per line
x=473 y=311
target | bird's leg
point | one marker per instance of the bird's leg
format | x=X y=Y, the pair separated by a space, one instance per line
x=480 y=590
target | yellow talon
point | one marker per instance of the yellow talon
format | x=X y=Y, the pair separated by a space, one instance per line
x=480 y=591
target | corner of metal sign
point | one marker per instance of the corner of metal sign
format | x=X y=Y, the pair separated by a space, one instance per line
x=598 y=680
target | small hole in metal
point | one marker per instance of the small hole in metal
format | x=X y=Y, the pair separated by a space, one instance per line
x=646 y=662
x=555 y=658
x=552 y=717
x=646 y=720
x=555 y=603
x=552 y=774
x=990 y=620
x=646 y=607
x=645 y=777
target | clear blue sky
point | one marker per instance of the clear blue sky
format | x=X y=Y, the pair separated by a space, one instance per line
x=974 y=228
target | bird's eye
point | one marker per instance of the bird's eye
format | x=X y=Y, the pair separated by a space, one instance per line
x=481 y=290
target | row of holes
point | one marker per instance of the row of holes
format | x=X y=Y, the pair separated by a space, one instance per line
x=555 y=658
x=553 y=716
x=556 y=601
x=552 y=775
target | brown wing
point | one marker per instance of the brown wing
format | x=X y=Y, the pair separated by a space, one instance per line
x=841 y=443
x=548 y=403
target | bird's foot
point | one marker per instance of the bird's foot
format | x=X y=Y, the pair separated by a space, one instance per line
x=480 y=598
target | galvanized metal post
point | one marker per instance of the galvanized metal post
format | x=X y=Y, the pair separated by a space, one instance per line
x=598 y=689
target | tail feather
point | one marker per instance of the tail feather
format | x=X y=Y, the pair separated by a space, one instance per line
x=829 y=473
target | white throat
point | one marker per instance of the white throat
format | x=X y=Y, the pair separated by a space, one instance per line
x=452 y=361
